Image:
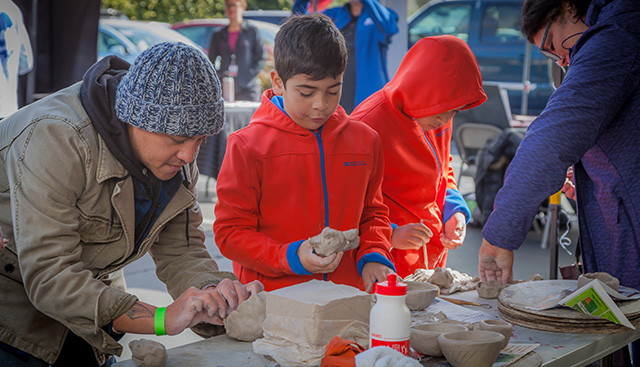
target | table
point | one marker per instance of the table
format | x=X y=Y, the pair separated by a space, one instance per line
x=556 y=349
x=236 y=116
x=560 y=349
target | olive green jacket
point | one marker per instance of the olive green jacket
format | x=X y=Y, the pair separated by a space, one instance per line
x=67 y=209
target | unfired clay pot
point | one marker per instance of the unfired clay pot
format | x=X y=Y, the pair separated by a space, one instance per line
x=477 y=348
x=424 y=338
x=498 y=326
x=420 y=295
x=456 y=322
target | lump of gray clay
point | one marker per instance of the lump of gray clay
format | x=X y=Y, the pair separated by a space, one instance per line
x=330 y=241
x=148 y=353
x=245 y=323
x=605 y=278
x=536 y=277
x=491 y=289
x=443 y=278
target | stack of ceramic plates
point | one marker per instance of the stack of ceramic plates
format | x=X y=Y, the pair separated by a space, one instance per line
x=515 y=301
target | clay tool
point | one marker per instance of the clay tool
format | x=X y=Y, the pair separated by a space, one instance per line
x=424 y=248
x=466 y=303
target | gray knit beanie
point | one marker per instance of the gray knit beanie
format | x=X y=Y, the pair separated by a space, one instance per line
x=171 y=88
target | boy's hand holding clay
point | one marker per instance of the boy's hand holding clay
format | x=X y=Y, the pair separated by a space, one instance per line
x=317 y=264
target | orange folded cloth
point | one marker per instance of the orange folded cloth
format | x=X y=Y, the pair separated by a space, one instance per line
x=341 y=353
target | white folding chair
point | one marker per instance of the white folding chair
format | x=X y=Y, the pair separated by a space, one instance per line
x=469 y=139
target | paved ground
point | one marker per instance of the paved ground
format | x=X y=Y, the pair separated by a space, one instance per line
x=529 y=259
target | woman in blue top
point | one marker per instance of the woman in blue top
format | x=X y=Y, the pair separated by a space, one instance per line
x=592 y=122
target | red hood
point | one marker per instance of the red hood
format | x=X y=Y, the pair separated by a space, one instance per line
x=444 y=63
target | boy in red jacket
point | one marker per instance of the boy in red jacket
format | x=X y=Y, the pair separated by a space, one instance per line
x=412 y=114
x=302 y=165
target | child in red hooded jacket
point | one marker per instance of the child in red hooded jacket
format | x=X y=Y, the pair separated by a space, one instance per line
x=302 y=165
x=412 y=114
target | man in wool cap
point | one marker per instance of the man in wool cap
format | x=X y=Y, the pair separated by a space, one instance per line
x=92 y=178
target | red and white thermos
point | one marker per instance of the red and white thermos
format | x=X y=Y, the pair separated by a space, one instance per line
x=390 y=317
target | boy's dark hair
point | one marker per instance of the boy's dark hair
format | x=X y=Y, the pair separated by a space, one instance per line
x=311 y=45
x=537 y=13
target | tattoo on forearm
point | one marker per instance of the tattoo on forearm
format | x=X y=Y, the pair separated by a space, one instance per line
x=139 y=311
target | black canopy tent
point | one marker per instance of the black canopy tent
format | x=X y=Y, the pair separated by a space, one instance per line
x=63 y=35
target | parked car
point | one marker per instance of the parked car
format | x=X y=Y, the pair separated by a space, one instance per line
x=127 y=38
x=200 y=31
x=113 y=42
x=492 y=30
x=277 y=17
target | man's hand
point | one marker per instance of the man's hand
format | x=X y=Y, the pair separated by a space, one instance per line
x=191 y=308
x=229 y=294
x=495 y=263
x=254 y=287
x=374 y=272
x=410 y=236
x=317 y=264
x=455 y=231
x=210 y=305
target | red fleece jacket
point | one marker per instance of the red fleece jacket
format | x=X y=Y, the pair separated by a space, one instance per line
x=271 y=195
x=437 y=74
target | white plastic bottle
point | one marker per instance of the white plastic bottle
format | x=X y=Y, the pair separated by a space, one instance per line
x=390 y=318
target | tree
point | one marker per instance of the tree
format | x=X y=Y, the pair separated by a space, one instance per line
x=172 y=11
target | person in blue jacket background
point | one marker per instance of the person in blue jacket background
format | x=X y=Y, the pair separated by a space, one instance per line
x=591 y=122
x=367 y=27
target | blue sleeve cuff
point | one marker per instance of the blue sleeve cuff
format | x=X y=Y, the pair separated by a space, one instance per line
x=109 y=330
x=394 y=226
x=455 y=203
x=374 y=257
x=294 y=260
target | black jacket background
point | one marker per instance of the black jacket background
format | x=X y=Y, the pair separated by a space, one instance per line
x=250 y=58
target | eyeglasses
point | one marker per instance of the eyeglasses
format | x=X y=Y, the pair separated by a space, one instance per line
x=548 y=54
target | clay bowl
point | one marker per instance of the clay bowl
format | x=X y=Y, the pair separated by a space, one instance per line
x=498 y=326
x=424 y=338
x=477 y=348
x=466 y=325
x=420 y=294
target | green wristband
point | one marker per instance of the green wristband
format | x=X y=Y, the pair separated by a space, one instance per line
x=158 y=321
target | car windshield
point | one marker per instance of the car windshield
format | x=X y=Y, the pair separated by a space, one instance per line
x=445 y=19
x=199 y=34
x=144 y=35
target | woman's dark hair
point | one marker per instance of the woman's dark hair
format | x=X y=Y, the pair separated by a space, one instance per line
x=312 y=45
x=536 y=13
